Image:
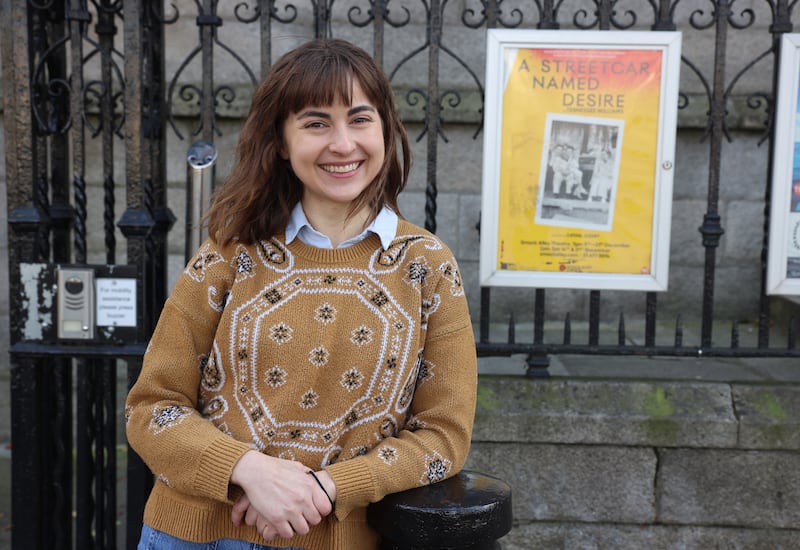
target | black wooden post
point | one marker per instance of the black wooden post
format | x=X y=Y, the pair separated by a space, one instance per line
x=469 y=511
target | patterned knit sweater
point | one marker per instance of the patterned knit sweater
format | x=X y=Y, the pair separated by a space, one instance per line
x=357 y=360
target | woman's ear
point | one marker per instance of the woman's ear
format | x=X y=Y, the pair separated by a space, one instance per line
x=280 y=144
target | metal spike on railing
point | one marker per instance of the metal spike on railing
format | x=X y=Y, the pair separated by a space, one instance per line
x=651 y=302
x=734 y=334
x=791 y=338
x=678 y=331
x=621 y=330
x=594 y=317
x=512 y=329
x=484 y=317
x=538 y=316
x=567 y=330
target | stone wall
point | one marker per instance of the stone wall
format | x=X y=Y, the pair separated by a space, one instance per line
x=627 y=464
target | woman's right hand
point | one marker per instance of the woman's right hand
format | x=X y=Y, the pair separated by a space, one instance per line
x=280 y=496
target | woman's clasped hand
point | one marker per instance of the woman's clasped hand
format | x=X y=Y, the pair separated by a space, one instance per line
x=280 y=499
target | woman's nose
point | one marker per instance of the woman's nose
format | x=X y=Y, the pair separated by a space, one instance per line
x=342 y=142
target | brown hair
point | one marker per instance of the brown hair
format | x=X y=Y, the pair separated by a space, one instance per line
x=258 y=196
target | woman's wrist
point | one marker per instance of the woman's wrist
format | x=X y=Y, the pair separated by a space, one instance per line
x=328 y=483
x=242 y=466
x=317 y=476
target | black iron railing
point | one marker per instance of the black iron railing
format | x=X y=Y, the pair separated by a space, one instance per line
x=89 y=104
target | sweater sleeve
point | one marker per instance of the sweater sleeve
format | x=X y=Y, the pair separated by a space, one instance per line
x=181 y=447
x=435 y=440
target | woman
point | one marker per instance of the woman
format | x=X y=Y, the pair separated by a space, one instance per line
x=317 y=353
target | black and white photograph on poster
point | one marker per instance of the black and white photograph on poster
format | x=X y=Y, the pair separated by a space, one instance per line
x=578 y=188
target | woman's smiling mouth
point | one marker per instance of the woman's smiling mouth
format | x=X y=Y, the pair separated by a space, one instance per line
x=340 y=168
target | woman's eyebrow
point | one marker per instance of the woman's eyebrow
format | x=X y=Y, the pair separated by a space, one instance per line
x=323 y=114
x=314 y=114
x=360 y=109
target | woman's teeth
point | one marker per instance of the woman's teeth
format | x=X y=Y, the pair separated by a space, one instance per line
x=341 y=169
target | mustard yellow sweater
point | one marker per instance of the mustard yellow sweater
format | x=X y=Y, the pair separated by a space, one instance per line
x=357 y=360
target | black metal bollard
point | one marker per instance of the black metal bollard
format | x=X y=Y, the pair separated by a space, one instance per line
x=469 y=511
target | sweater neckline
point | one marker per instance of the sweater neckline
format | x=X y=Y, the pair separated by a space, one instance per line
x=356 y=252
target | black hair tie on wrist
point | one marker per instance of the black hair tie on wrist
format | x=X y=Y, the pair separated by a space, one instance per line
x=321 y=487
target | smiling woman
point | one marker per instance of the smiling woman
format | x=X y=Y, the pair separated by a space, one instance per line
x=317 y=352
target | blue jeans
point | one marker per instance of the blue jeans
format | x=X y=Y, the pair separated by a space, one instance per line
x=158 y=540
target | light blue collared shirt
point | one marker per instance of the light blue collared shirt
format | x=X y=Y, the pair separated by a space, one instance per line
x=384 y=226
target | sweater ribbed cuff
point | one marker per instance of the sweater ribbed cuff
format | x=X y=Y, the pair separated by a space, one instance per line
x=355 y=487
x=216 y=464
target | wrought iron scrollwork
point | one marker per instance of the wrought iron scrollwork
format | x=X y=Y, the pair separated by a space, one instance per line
x=491 y=15
x=161 y=18
x=694 y=18
x=51 y=93
x=748 y=18
x=205 y=95
x=379 y=8
x=259 y=10
x=754 y=100
x=47 y=91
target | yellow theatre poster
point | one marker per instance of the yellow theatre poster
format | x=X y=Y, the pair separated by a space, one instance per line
x=580 y=159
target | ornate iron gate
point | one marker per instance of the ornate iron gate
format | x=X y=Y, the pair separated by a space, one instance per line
x=68 y=85
x=81 y=75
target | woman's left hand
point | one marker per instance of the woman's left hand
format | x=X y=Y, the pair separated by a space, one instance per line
x=254 y=518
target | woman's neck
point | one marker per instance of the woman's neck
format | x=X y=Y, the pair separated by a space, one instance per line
x=335 y=224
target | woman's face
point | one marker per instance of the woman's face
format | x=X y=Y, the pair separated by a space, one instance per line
x=336 y=151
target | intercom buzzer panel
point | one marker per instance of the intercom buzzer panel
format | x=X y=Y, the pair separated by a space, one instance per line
x=76 y=297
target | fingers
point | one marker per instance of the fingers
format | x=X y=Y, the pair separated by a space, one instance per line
x=299 y=526
x=296 y=523
x=239 y=509
x=252 y=517
x=266 y=529
x=321 y=503
x=284 y=530
x=313 y=515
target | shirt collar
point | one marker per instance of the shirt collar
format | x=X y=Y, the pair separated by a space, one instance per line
x=384 y=226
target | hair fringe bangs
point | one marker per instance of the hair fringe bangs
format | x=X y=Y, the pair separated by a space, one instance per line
x=320 y=84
